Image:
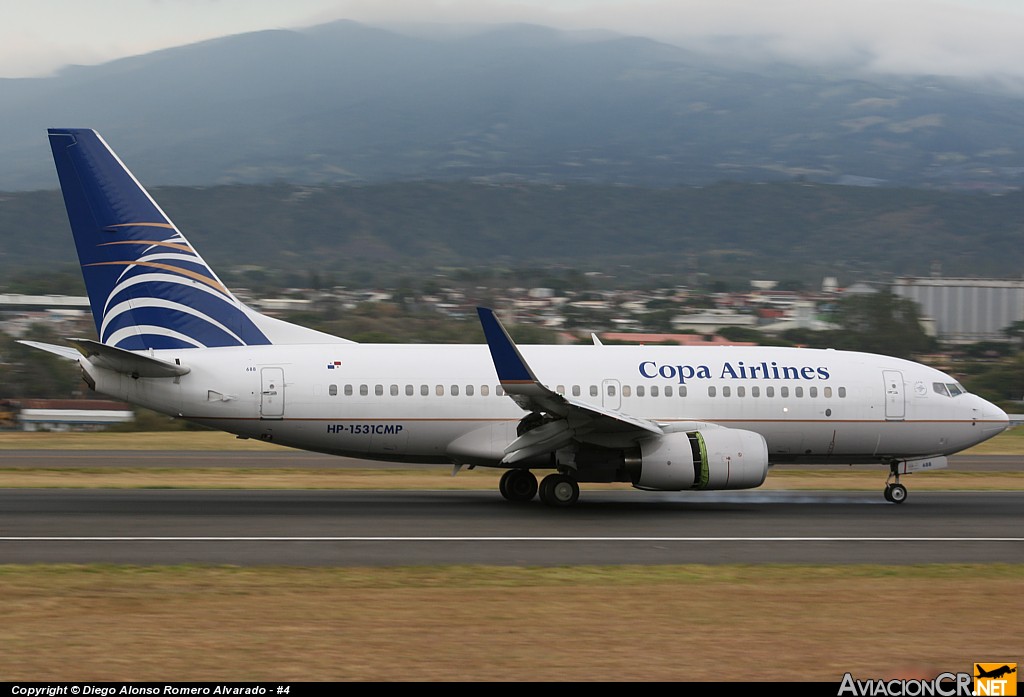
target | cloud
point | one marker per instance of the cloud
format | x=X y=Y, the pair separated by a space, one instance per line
x=963 y=38
x=944 y=37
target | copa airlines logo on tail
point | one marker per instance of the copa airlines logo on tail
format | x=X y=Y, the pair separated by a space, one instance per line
x=733 y=371
x=166 y=296
x=148 y=287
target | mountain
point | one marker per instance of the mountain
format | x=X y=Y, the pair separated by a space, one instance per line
x=362 y=235
x=345 y=102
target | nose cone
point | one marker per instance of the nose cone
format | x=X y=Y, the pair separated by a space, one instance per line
x=991 y=418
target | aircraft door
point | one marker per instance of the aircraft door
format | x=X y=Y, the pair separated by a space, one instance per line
x=272 y=393
x=895 y=404
x=611 y=394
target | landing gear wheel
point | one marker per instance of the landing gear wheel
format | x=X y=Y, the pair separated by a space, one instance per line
x=894 y=491
x=559 y=490
x=518 y=485
x=897 y=493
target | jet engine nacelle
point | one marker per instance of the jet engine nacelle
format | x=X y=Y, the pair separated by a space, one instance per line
x=723 y=458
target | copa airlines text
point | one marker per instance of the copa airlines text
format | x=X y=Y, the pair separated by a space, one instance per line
x=762 y=371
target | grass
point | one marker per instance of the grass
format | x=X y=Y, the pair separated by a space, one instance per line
x=626 y=623
x=118 y=472
x=1008 y=443
x=434 y=478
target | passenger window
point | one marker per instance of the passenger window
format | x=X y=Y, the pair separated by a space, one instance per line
x=593 y=390
x=469 y=390
x=378 y=390
x=485 y=390
x=348 y=390
x=560 y=389
x=455 y=390
x=498 y=391
x=769 y=392
x=332 y=390
x=410 y=390
x=711 y=391
x=640 y=391
x=611 y=390
x=741 y=391
x=363 y=390
x=812 y=392
x=755 y=392
x=726 y=391
x=394 y=390
x=439 y=390
x=682 y=390
x=424 y=390
x=842 y=393
x=783 y=391
x=654 y=390
x=827 y=392
x=668 y=391
x=575 y=390
x=798 y=392
x=627 y=391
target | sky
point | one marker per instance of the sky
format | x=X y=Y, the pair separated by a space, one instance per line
x=963 y=38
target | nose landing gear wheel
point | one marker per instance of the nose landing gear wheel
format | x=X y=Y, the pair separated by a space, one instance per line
x=895 y=493
x=559 y=490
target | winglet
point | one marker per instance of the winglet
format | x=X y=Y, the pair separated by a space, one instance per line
x=508 y=362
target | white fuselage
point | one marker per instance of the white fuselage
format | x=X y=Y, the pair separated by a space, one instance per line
x=442 y=403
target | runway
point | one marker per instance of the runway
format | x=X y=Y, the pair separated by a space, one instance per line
x=338 y=527
x=388 y=528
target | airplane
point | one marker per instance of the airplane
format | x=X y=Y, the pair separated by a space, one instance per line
x=995 y=673
x=173 y=338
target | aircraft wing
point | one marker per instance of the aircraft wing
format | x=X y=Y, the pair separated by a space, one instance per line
x=577 y=420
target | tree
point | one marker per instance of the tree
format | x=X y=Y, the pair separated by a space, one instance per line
x=1015 y=331
x=27 y=372
x=877 y=323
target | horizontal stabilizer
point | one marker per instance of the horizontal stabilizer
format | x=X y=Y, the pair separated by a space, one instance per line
x=63 y=351
x=125 y=362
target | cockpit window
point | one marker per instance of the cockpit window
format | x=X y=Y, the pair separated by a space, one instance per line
x=949 y=389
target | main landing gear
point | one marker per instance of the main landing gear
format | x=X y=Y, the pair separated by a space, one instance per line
x=518 y=486
x=558 y=490
x=894 y=491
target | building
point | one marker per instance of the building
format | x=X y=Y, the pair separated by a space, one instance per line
x=71 y=414
x=965 y=309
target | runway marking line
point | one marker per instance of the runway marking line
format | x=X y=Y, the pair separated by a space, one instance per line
x=355 y=538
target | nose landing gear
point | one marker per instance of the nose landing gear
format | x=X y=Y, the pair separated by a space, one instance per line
x=894 y=491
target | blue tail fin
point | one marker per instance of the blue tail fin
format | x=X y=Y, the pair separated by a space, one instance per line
x=147 y=286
